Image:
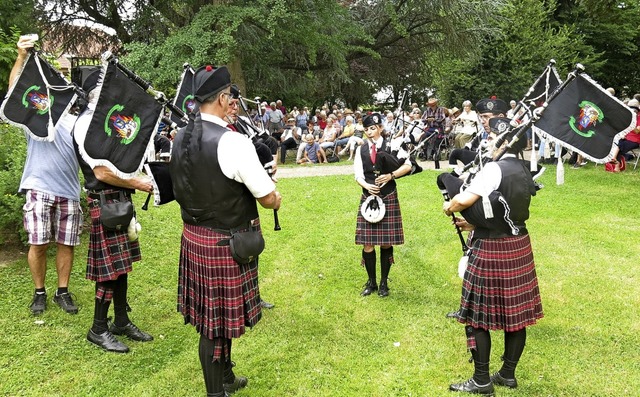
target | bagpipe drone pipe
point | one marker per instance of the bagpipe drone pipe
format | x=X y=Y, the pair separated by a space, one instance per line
x=579 y=114
x=396 y=155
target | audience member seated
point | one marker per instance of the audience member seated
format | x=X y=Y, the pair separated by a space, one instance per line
x=347 y=133
x=467 y=125
x=329 y=134
x=355 y=140
x=313 y=153
x=631 y=141
x=290 y=138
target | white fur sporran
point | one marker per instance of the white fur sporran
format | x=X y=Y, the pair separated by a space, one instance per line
x=373 y=209
x=134 y=229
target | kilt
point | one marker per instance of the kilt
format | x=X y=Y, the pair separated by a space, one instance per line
x=215 y=294
x=386 y=232
x=111 y=254
x=500 y=287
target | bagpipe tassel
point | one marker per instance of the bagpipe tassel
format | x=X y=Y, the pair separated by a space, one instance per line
x=462 y=265
x=486 y=205
x=51 y=131
x=533 y=157
x=560 y=172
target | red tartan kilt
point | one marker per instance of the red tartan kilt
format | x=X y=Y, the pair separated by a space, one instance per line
x=386 y=232
x=500 y=287
x=215 y=294
x=111 y=254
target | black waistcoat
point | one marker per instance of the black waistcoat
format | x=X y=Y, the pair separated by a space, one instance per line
x=206 y=196
x=371 y=171
x=517 y=187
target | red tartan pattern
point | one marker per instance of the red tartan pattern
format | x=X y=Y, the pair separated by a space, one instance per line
x=386 y=232
x=104 y=294
x=111 y=254
x=500 y=287
x=215 y=294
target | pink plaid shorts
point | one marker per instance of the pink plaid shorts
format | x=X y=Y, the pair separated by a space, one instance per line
x=50 y=218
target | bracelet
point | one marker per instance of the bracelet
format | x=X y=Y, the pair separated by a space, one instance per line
x=392 y=176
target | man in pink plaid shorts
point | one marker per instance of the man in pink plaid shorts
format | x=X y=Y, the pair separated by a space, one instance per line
x=52 y=210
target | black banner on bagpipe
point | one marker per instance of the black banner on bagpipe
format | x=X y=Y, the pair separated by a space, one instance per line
x=38 y=99
x=586 y=118
x=117 y=130
x=184 y=99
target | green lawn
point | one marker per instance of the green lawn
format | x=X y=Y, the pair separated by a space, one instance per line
x=323 y=339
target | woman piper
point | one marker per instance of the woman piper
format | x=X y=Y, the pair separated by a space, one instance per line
x=376 y=171
x=500 y=287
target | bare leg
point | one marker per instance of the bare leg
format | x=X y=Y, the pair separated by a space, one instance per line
x=37 y=258
x=64 y=262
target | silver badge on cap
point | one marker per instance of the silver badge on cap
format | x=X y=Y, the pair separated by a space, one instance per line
x=376 y=120
x=502 y=127
x=490 y=105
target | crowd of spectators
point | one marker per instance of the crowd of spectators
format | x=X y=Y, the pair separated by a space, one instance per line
x=334 y=133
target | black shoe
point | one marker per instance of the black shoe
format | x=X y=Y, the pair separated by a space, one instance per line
x=65 y=301
x=472 y=387
x=384 y=290
x=369 y=288
x=38 y=304
x=454 y=314
x=498 y=380
x=238 y=383
x=219 y=394
x=130 y=331
x=266 y=304
x=107 y=341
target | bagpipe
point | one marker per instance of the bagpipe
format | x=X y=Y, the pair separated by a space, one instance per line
x=396 y=155
x=578 y=114
x=116 y=127
x=260 y=139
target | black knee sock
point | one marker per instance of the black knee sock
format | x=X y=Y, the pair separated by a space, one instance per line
x=513 y=347
x=370 y=264
x=229 y=376
x=213 y=371
x=481 y=356
x=100 y=315
x=386 y=256
x=120 y=301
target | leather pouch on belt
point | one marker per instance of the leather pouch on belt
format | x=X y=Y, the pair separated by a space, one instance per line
x=246 y=246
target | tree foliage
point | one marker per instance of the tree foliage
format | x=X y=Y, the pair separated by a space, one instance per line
x=511 y=61
x=409 y=39
x=312 y=51
x=8 y=55
x=612 y=29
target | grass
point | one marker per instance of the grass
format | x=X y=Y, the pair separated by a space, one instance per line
x=323 y=339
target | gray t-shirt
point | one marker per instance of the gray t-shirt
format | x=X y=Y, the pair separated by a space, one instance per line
x=52 y=167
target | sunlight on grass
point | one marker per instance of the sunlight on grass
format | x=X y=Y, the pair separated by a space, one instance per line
x=323 y=339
